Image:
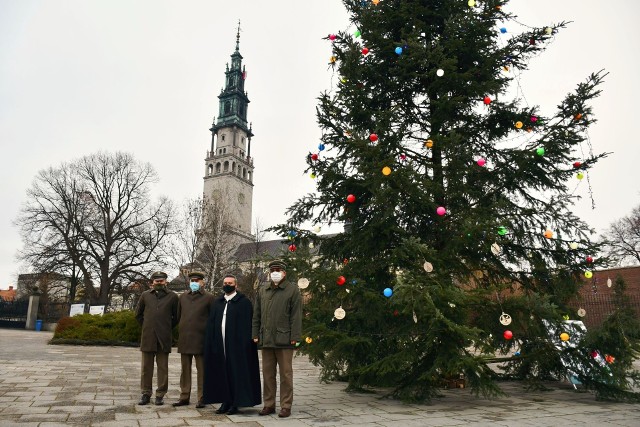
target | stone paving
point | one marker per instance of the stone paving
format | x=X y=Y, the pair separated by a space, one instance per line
x=43 y=385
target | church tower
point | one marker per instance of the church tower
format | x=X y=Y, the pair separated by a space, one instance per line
x=229 y=166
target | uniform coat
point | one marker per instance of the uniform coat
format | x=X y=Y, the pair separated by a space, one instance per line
x=277 y=316
x=193 y=313
x=157 y=312
x=234 y=378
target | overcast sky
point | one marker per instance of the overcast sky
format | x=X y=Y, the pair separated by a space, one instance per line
x=140 y=76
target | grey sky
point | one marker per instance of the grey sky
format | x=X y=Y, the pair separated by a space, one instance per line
x=143 y=76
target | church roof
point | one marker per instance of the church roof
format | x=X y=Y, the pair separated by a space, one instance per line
x=267 y=248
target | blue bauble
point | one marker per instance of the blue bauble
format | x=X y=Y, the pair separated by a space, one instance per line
x=387 y=292
x=399 y=50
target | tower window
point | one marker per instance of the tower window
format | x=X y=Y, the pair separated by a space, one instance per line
x=244 y=173
x=224 y=151
x=218 y=167
x=223 y=136
x=226 y=166
x=227 y=107
x=249 y=176
x=210 y=170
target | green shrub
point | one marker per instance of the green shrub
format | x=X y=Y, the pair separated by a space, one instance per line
x=111 y=328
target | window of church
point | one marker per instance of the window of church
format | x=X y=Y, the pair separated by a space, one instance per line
x=244 y=173
x=226 y=166
x=210 y=170
x=223 y=136
x=218 y=167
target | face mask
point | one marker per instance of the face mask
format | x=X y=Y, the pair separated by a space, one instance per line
x=228 y=289
x=276 y=276
x=194 y=286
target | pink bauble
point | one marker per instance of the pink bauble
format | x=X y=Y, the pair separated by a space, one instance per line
x=441 y=211
x=481 y=161
x=332 y=37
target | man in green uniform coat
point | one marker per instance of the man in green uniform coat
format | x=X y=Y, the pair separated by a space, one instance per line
x=277 y=327
x=193 y=313
x=157 y=312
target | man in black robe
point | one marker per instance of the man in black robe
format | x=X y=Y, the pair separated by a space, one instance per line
x=231 y=369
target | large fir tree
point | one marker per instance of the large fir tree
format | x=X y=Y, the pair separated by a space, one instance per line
x=455 y=196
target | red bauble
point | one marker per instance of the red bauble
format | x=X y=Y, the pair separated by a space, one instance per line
x=373 y=137
x=365 y=50
x=351 y=198
x=314 y=156
x=589 y=260
x=341 y=280
x=507 y=335
x=577 y=164
x=292 y=248
x=396 y=312
x=332 y=37
x=486 y=100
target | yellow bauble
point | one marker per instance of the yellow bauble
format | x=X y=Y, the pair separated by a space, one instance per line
x=518 y=125
x=386 y=170
x=564 y=336
x=308 y=340
x=429 y=143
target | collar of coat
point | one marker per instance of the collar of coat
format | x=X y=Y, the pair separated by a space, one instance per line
x=280 y=285
x=236 y=297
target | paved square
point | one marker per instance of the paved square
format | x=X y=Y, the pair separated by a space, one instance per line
x=43 y=385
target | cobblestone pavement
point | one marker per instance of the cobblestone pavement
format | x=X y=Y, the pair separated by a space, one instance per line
x=44 y=385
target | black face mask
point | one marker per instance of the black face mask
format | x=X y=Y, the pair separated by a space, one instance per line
x=228 y=289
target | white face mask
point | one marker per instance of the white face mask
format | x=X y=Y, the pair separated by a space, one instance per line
x=276 y=276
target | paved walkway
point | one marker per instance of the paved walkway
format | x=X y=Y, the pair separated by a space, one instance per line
x=43 y=385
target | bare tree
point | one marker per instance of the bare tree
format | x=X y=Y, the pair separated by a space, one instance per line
x=216 y=240
x=203 y=240
x=93 y=219
x=182 y=247
x=622 y=239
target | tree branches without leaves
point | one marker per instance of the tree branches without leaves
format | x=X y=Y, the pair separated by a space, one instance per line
x=94 y=219
x=622 y=239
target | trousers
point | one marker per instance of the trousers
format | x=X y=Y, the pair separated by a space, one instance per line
x=162 y=360
x=185 y=375
x=282 y=359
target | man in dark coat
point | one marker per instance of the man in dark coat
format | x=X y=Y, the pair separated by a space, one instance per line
x=277 y=327
x=193 y=313
x=157 y=312
x=231 y=373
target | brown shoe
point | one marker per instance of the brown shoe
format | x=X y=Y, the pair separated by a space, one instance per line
x=181 y=402
x=267 y=410
x=284 y=412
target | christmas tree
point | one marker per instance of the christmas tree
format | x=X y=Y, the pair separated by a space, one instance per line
x=459 y=243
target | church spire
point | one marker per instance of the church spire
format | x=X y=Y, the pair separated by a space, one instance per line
x=238 y=38
x=233 y=98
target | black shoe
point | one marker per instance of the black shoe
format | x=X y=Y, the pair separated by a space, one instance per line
x=181 y=402
x=144 y=399
x=159 y=400
x=223 y=408
x=200 y=404
x=232 y=410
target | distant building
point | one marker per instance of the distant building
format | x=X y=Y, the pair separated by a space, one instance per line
x=8 y=295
